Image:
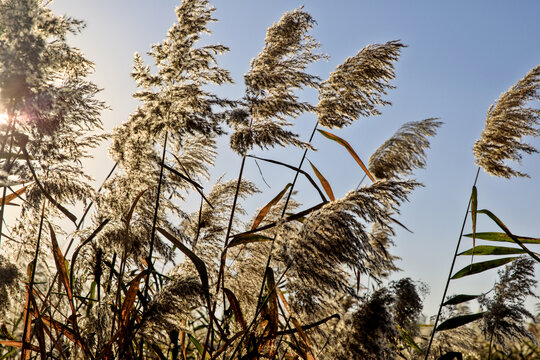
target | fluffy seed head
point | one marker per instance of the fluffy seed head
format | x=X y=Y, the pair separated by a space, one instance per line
x=357 y=86
x=404 y=151
x=508 y=120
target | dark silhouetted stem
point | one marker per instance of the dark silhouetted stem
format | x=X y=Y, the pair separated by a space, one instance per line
x=451 y=269
x=154 y=222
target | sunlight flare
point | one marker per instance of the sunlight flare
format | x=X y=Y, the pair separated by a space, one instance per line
x=3 y=118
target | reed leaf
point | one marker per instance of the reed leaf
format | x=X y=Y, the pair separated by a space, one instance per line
x=481 y=267
x=325 y=184
x=474 y=208
x=13 y=195
x=235 y=306
x=492 y=250
x=268 y=206
x=60 y=262
x=198 y=346
x=503 y=237
x=199 y=264
x=18 y=344
x=296 y=324
x=310 y=179
x=507 y=231
x=458 y=321
x=349 y=148
x=409 y=340
x=458 y=299
x=65 y=211
x=131 y=295
x=247 y=239
x=272 y=303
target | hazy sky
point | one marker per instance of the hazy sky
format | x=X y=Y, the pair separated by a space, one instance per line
x=461 y=56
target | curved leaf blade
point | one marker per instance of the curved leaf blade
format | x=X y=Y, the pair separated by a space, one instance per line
x=481 y=267
x=60 y=262
x=503 y=237
x=492 y=250
x=235 y=305
x=458 y=321
x=199 y=264
x=507 y=231
x=308 y=177
x=133 y=205
x=268 y=206
x=409 y=340
x=349 y=149
x=243 y=239
x=458 y=299
x=131 y=295
x=65 y=211
x=325 y=184
x=13 y=195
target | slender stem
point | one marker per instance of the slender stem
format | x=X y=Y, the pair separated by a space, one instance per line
x=235 y=199
x=87 y=209
x=221 y=274
x=11 y=123
x=259 y=309
x=154 y=222
x=32 y=277
x=99 y=190
x=490 y=344
x=451 y=269
x=283 y=212
x=298 y=172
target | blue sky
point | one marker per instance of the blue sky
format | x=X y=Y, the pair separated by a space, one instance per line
x=461 y=56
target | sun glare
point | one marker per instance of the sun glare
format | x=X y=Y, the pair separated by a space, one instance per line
x=3 y=118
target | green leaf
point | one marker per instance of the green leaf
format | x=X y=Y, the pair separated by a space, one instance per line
x=481 y=266
x=92 y=296
x=349 y=149
x=502 y=237
x=198 y=346
x=492 y=250
x=248 y=238
x=408 y=339
x=458 y=321
x=326 y=185
x=507 y=231
x=458 y=299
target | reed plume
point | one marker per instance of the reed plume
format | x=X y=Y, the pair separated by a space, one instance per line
x=357 y=86
x=272 y=81
x=507 y=122
x=404 y=151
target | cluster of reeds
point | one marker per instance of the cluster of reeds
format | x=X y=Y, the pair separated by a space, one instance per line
x=137 y=275
x=503 y=314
